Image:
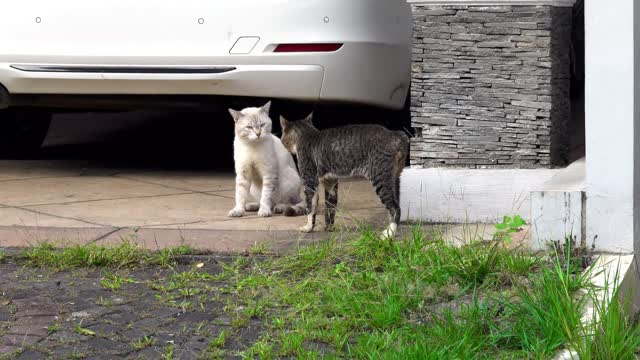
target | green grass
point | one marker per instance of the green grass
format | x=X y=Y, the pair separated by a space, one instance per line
x=362 y=298
x=143 y=343
x=548 y=312
x=168 y=352
x=113 y=281
x=53 y=328
x=219 y=341
x=611 y=335
x=105 y=302
x=78 y=355
x=122 y=255
x=78 y=329
x=185 y=290
x=417 y=298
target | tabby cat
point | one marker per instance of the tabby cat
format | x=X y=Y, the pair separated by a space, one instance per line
x=369 y=151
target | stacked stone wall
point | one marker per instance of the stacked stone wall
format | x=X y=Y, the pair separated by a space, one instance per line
x=490 y=86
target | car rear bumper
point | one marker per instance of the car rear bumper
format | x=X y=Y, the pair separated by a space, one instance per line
x=302 y=82
x=361 y=73
x=372 y=65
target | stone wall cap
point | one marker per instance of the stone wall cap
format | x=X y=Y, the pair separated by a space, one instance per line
x=558 y=3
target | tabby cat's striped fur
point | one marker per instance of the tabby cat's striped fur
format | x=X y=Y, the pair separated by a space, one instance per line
x=369 y=151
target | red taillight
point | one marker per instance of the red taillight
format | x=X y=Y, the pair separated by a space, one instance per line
x=307 y=47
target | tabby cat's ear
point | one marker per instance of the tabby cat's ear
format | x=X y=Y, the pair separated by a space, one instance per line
x=235 y=114
x=266 y=108
x=309 y=118
x=283 y=122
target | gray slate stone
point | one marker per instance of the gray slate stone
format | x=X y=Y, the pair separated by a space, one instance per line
x=484 y=79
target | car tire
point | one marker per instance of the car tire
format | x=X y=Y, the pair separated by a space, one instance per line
x=22 y=131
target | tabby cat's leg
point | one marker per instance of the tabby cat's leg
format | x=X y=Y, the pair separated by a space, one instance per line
x=280 y=208
x=385 y=184
x=311 y=197
x=330 y=202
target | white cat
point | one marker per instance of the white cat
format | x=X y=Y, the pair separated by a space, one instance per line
x=266 y=177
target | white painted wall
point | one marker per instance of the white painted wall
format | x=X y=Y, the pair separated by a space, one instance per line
x=555 y=215
x=609 y=123
x=636 y=135
x=469 y=195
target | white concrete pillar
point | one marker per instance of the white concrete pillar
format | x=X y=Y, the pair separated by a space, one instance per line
x=609 y=107
x=636 y=132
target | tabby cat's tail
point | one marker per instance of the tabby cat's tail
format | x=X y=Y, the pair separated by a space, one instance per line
x=298 y=209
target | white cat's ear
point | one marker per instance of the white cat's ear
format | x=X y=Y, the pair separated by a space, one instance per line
x=266 y=108
x=235 y=114
x=283 y=122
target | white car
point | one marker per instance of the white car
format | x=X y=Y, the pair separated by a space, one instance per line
x=344 y=51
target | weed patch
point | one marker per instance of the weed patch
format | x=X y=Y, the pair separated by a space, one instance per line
x=114 y=281
x=143 y=343
x=359 y=297
x=416 y=298
x=123 y=255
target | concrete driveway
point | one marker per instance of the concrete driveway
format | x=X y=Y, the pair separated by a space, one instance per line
x=161 y=179
x=70 y=203
x=158 y=178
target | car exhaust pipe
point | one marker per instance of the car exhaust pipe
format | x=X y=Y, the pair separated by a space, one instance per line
x=5 y=98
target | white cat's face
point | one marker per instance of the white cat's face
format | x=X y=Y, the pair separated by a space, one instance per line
x=252 y=124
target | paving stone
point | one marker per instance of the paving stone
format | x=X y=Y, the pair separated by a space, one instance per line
x=184 y=354
x=7 y=349
x=5 y=314
x=116 y=327
x=19 y=293
x=165 y=337
x=65 y=337
x=150 y=353
x=36 y=330
x=143 y=305
x=164 y=312
x=93 y=312
x=122 y=315
x=136 y=333
x=67 y=351
x=194 y=317
x=152 y=322
x=104 y=329
x=31 y=355
x=38 y=310
x=34 y=320
x=104 y=357
x=19 y=340
x=103 y=345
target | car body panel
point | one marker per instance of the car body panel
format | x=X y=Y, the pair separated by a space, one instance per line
x=372 y=66
x=303 y=82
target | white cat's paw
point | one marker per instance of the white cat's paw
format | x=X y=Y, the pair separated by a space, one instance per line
x=236 y=212
x=264 y=212
x=390 y=232
x=306 y=229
